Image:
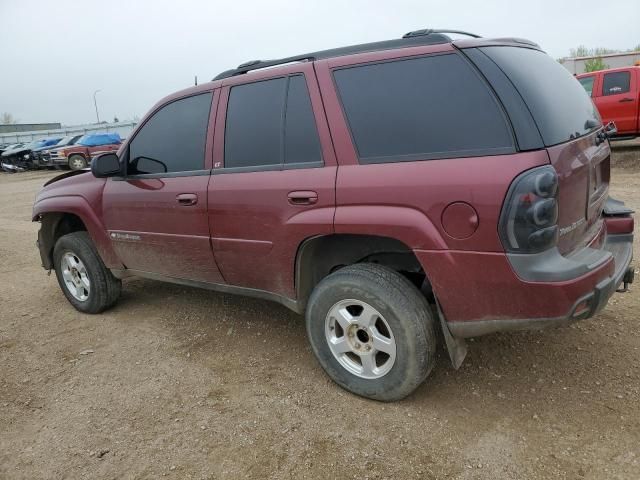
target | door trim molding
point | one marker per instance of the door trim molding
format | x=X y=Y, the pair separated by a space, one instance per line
x=290 y=303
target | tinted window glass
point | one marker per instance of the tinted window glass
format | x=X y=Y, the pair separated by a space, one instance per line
x=173 y=139
x=261 y=132
x=616 y=82
x=430 y=107
x=560 y=106
x=254 y=124
x=301 y=136
x=587 y=84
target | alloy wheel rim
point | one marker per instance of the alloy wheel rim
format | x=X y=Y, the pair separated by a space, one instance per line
x=75 y=276
x=360 y=339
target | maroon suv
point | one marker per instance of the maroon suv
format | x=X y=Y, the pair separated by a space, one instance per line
x=385 y=190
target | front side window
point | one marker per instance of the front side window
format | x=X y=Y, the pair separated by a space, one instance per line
x=616 y=82
x=173 y=139
x=587 y=84
x=421 y=108
x=271 y=124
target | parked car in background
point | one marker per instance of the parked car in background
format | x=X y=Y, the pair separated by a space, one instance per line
x=616 y=93
x=5 y=165
x=79 y=155
x=42 y=155
x=9 y=146
x=21 y=157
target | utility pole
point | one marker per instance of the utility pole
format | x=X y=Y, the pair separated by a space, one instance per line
x=95 y=103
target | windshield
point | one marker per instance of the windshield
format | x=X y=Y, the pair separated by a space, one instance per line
x=64 y=141
x=587 y=84
x=560 y=106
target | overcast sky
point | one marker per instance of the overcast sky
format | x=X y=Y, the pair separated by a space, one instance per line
x=55 y=53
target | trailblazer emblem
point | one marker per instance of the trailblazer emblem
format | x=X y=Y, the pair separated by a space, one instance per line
x=572 y=227
x=125 y=237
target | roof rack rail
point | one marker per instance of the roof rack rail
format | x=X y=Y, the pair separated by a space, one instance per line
x=256 y=64
x=429 y=31
x=411 y=39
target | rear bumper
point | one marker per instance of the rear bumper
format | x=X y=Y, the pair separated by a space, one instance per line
x=488 y=296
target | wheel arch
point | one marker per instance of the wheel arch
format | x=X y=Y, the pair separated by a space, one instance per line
x=61 y=215
x=319 y=256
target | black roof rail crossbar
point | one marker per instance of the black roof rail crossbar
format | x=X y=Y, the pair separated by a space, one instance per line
x=257 y=64
x=436 y=36
x=429 y=31
x=524 y=41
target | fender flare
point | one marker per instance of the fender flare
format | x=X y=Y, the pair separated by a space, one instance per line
x=78 y=206
x=408 y=225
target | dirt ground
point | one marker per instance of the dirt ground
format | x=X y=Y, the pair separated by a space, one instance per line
x=186 y=383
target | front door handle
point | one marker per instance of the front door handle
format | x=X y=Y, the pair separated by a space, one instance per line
x=187 y=199
x=302 y=197
x=626 y=99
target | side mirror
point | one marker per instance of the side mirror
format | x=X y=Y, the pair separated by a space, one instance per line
x=105 y=165
x=146 y=165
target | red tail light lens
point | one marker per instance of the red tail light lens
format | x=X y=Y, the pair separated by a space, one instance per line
x=528 y=223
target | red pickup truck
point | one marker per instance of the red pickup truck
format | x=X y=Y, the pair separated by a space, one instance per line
x=616 y=93
x=79 y=155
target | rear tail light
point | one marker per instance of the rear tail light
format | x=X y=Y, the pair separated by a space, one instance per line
x=529 y=219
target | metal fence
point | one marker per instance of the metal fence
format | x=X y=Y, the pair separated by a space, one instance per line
x=122 y=128
x=27 y=127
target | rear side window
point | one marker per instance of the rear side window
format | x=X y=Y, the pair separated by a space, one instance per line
x=271 y=124
x=587 y=84
x=301 y=143
x=560 y=106
x=616 y=82
x=254 y=121
x=420 y=109
x=173 y=139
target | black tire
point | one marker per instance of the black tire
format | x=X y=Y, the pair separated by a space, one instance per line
x=77 y=162
x=104 y=287
x=405 y=310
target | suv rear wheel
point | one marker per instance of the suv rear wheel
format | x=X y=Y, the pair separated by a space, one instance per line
x=372 y=331
x=77 y=162
x=88 y=285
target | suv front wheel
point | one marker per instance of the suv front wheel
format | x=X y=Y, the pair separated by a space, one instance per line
x=372 y=331
x=86 y=282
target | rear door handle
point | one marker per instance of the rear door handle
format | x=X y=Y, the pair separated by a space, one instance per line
x=187 y=199
x=626 y=99
x=302 y=197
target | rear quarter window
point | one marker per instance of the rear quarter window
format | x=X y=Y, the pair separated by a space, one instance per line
x=421 y=108
x=560 y=106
